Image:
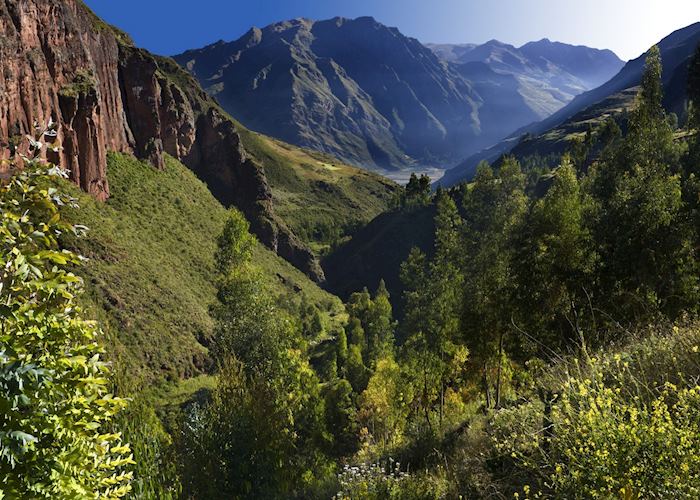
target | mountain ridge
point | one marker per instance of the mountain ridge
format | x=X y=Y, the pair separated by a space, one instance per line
x=676 y=50
x=361 y=91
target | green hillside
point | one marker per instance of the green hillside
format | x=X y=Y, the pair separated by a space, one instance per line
x=342 y=197
x=150 y=274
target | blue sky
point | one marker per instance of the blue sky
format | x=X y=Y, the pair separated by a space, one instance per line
x=628 y=27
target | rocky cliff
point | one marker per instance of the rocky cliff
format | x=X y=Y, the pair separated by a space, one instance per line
x=60 y=61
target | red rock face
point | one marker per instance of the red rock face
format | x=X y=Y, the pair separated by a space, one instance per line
x=59 y=61
x=43 y=47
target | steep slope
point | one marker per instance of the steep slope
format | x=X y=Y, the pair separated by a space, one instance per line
x=150 y=274
x=367 y=94
x=353 y=88
x=60 y=61
x=376 y=252
x=321 y=199
x=593 y=67
x=676 y=50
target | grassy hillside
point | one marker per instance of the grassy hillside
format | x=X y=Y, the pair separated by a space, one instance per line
x=343 y=197
x=320 y=198
x=150 y=272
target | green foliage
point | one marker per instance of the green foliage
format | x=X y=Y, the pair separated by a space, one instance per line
x=343 y=197
x=494 y=209
x=555 y=262
x=82 y=84
x=643 y=236
x=371 y=324
x=386 y=480
x=152 y=272
x=155 y=471
x=384 y=404
x=56 y=410
x=341 y=416
x=416 y=193
x=433 y=297
x=267 y=404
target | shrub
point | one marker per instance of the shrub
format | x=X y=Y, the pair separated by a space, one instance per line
x=618 y=427
x=55 y=407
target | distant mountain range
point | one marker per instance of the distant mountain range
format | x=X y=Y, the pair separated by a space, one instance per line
x=371 y=96
x=611 y=98
x=546 y=74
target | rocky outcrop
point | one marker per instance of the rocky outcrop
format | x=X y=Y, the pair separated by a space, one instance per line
x=60 y=61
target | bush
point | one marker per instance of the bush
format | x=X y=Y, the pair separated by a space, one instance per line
x=619 y=426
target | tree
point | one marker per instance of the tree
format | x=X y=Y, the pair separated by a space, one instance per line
x=493 y=209
x=383 y=405
x=433 y=309
x=640 y=225
x=380 y=326
x=341 y=417
x=341 y=351
x=417 y=191
x=248 y=324
x=267 y=405
x=56 y=410
x=555 y=263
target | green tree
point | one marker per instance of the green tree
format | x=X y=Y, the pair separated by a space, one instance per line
x=56 y=411
x=267 y=405
x=647 y=256
x=383 y=405
x=417 y=191
x=341 y=351
x=379 y=329
x=493 y=209
x=341 y=417
x=555 y=263
x=433 y=310
x=358 y=373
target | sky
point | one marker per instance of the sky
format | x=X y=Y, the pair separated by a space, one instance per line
x=628 y=27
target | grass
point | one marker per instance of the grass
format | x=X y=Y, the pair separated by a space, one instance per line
x=150 y=274
x=320 y=198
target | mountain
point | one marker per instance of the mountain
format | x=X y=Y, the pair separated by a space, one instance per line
x=60 y=61
x=613 y=97
x=353 y=88
x=545 y=75
x=371 y=96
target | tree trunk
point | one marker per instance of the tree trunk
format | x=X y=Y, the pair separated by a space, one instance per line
x=498 y=376
x=487 y=391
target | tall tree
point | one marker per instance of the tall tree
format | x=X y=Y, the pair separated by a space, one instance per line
x=380 y=326
x=493 y=208
x=433 y=308
x=267 y=404
x=555 y=263
x=640 y=227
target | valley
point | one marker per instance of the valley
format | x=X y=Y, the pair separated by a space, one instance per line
x=327 y=260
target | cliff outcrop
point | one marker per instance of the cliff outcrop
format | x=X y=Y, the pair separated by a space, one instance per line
x=60 y=61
